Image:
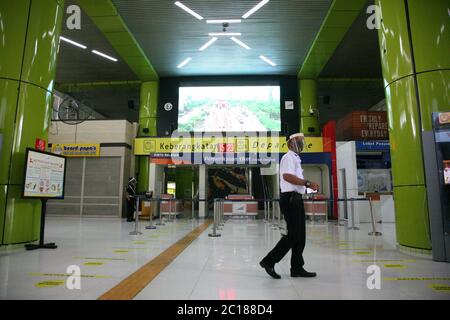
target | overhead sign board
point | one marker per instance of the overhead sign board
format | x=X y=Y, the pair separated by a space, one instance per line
x=77 y=149
x=226 y=145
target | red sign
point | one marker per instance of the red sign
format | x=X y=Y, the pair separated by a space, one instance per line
x=225 y=147
x=40 y=144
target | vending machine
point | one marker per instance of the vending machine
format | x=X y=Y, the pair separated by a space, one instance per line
x=437 y=167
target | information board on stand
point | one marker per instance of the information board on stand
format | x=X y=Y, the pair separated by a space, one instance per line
x=44 y=179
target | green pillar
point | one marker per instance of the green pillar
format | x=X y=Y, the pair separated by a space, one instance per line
x=147 y=126
x=309 y=122
x=29 y=38
x=415 y=59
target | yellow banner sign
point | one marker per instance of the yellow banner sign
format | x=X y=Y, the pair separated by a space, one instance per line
x=146 y=146
x=77 y=150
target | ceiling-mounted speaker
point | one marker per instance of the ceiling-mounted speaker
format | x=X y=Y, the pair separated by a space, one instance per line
x=326 y=99
x=130 y=104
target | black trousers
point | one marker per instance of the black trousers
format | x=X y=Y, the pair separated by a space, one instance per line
x=130 y=208
x=291 y=205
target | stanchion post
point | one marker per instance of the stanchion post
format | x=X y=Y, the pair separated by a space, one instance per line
x=151 y=226
x=353 y=227
x=158 y=209
x=265 y=212
x=136 y=219
x=214 y=233
x=374 y=230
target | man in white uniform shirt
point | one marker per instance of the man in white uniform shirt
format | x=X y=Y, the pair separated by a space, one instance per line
x=292 y=185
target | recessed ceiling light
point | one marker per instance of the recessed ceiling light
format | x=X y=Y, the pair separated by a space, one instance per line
x=192 y=12
x=185 y=62
x=239 y=42
x=254 y=9
x=224 y=20
x=268 y=61
x=72 y=42
x=210 y=42
x=224 y=34
x=104 y=55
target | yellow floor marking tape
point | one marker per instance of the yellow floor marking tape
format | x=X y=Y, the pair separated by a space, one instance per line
x=133 y=284
x=417 y=279
x=385 y=260
x=440 y=287
x=121 y=251
x=94 y=264
x=49 y=283
x=38 y=274
x=395 y=266
x=107 y=259
x=140 y=242
x=362 y=252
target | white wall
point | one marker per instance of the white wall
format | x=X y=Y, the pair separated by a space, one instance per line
x=101 y=131
x=346 y=159
x=383 y=210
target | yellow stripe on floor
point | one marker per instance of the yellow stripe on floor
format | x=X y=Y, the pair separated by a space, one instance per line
x=131 y=286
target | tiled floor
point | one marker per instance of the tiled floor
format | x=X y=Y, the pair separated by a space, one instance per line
x=80 y=242
x=227 y=267
x=217 y=268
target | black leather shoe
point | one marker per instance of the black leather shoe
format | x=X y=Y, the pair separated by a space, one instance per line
x=302 y=273
x=270 y=270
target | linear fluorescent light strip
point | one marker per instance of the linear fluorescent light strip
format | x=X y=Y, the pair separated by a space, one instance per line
x=210 y=42
x=185 y=62
x=239 y=42
x=191 y=12
x=256 y=8
x=268 y=61
x=104 y=55
x=224 y=20
x=224 y=34
x=73 y=42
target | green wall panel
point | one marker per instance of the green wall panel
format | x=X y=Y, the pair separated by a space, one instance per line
x=184 y=178
x=32 y=122
x=340 y=17
x=142 y=178
x=396 y=60
x=308 y=100
x=22 y=217
x=3 y=189
x=8 y=102
x=431 y=43
x=404 y=133
x=39 y=65
x=13 y=22
x=434 y=92
x=411 y=211
x=149 y=99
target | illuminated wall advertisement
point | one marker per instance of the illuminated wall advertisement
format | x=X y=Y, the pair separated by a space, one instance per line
x=44 y=175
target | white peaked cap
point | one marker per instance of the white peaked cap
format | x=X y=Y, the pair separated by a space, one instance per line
x=296 y=135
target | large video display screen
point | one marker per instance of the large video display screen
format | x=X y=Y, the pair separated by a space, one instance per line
x=229 y=109
x=44 y=175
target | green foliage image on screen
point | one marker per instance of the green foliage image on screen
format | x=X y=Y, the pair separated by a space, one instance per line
x=230 y=108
